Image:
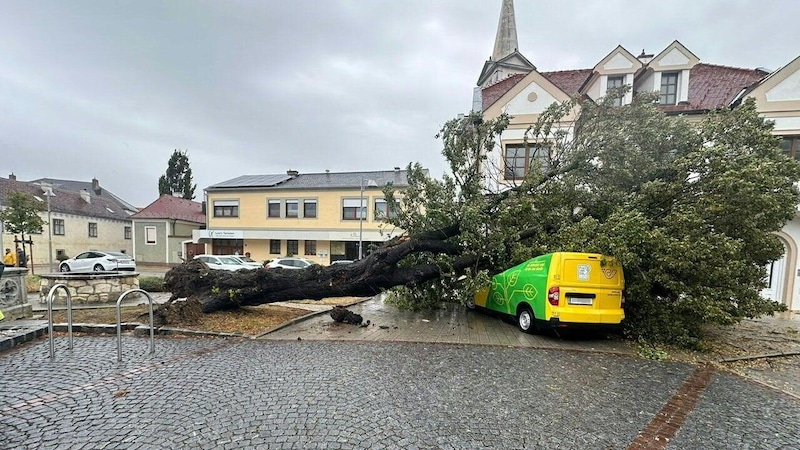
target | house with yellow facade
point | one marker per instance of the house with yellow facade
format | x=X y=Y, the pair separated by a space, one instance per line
x=323 y=217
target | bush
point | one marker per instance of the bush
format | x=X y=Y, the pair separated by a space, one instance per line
x=151 y=284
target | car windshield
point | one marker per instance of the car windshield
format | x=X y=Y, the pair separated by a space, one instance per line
x=225 y=260
x=246 y=259
x=117 y=254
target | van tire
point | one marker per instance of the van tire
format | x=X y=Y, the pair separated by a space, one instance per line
x=526 y=321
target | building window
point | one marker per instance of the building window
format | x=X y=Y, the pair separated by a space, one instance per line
x=128 y=232
x=520 y=158
x=227 y=246
x=92 y=229
x=226 y=208
x=382 y=210
x=311 y=247
x=291 y=208
x=309 y=208
x=292 y=247
x=275 y=246
x=790 y=146
x=150 y=235
x=669 y=88
x=273 y=208
x=58 y=227
x=350 y=209
x=616 y=83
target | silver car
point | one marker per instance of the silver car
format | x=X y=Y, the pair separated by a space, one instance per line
x=220 y=262
x=97 y=261
x=289 y=262
x=246 y=261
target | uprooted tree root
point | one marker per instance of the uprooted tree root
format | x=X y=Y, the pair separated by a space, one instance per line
x=183 y=311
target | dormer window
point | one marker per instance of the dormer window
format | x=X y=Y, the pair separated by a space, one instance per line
x=615 y=83
x=669 y=88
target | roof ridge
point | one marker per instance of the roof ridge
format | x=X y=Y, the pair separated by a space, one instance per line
x=566 y=70
x=731 y=67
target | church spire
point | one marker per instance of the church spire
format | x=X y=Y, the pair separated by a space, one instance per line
x=506 y=41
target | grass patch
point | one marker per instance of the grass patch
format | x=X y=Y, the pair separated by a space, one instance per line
x=247 y=320
x=32 y=283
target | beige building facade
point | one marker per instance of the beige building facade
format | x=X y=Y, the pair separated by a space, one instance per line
x=322 y=217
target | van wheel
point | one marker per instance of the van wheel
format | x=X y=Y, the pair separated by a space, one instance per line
x=525 y=319
x=470 y=304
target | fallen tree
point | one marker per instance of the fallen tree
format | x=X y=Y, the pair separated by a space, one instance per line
x=690 y=210
x=380 y=270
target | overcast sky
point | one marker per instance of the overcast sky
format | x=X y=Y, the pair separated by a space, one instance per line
x=108 y=89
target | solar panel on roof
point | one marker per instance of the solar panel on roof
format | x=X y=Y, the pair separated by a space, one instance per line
x=253 y=181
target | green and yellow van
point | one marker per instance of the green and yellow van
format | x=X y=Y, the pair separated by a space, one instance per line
x=558 y=290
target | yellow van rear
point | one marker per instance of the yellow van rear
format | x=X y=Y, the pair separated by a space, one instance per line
x=559 y=290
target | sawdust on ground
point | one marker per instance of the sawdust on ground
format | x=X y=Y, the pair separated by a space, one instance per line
x=249 y=320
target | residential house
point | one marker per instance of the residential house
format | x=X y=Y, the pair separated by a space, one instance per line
x=509 y=83
x=93 y=188
x=323 y=217
x=162 y=231
x=75 y=222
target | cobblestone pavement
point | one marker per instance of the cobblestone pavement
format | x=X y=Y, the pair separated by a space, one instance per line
x=215 y=393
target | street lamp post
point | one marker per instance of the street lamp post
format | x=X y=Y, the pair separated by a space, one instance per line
x=361 y=213
x=48 y=192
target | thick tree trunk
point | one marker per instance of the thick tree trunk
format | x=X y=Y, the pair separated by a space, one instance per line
x=218 y=290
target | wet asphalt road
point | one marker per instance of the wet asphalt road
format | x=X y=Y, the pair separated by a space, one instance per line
x=215 y=393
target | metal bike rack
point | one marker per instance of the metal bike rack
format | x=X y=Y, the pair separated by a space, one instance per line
x=50 y=315
x=119 y=322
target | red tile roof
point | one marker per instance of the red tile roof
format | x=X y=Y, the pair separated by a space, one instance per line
x=171 y=207
x=65 y=201
x=569 y=81
x=491 y=94
x=712 y=86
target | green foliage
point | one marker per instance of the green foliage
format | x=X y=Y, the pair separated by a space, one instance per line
x=151 y=284
x=690 y=210
x=178 y=178
x=21 y=214
x=651 y=351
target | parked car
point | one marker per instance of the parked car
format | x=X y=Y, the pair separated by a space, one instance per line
x=288 y=262
x=98 y=261
x=577 y=290
x=246 y=261
x=342 y=261
x=220 y=262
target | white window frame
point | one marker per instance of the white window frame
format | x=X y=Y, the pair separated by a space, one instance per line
x=147 y=232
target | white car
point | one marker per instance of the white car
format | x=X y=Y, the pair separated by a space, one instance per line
x=220 y=262
x=246 y=261
x=288 y=262
x=97 y=261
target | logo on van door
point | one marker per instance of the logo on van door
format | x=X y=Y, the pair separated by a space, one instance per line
x=583 y=272
x=609 y=273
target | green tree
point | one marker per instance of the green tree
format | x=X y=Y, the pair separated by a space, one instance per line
x=178 y=178
x=21 y=214
x=690 y=210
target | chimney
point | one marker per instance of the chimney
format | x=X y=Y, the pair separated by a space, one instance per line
x=96 y=186
x=203 y=208
x=292 y=173
x=644 y=57
x=12 y=177
x=86 y=196
x=396 y=169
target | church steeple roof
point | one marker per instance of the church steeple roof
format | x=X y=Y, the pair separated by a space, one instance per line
x=505 y=42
